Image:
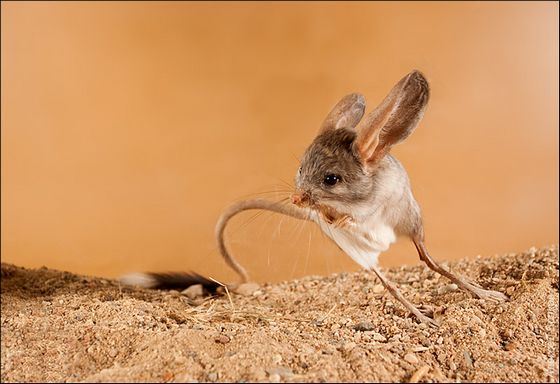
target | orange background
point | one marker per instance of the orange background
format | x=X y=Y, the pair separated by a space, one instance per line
x=128 y=127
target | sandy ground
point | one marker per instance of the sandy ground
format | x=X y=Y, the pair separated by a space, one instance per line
x=57 y=326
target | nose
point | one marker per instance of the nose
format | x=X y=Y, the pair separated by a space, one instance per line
x=299 y=198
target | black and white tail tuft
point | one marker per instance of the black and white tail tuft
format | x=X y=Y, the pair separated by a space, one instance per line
x=171 y=280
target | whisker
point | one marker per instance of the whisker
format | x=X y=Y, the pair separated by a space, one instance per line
x=295 y=264
x=309 y=243
x=286 y=183
x=258 y=194
x=248 y=221
x=296 y=158
x=259 y=213
x=276 y=231
x=308 y=251
x=332 y=237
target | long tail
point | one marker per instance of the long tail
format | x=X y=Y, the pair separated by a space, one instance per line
x=234 y=209
x=182 y=280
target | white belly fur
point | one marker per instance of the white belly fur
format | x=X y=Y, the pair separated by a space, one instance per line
x=363 y=242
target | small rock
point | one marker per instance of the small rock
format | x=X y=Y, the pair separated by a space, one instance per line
x=447 y=288
x=335 y=327
x=276 y=359
x=349 y=346
x=212 y=376
x=274 y=378
x=364 y=326
x=468 y=359
x=508 y=333
x=510 y=346
x=379 y=288
x=319 y=322
x=510 y=290
x=411 y=358
x=247 y=289
x=222 y=339
x=379 y=337
x=193 y=291
x=395 y=337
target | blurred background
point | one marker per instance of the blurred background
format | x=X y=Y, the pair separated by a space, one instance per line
x=128 y=127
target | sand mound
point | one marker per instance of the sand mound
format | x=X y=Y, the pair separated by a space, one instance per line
x=57 y=326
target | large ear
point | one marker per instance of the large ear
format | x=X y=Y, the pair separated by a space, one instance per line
x=394 y=119
x=347 y=113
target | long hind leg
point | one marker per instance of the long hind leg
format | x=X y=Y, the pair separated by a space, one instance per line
x=393 y=290
x=460 y=281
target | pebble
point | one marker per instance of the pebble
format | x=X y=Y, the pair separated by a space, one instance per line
x=510 y=346
x=212 y=376
x=510 y=290
x=247 y=289
x=193 y=291
x=222 y=339
x=347 y=347
x=468 y=359
x=395 y=337
x=379 y=337
x=508 y=333
x=379 y=288
x=411 y=358
x=447 y=288
x=364 y=326
x=274 y=378
x=335 y=327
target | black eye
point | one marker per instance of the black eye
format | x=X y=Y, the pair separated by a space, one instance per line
x=331 y=179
